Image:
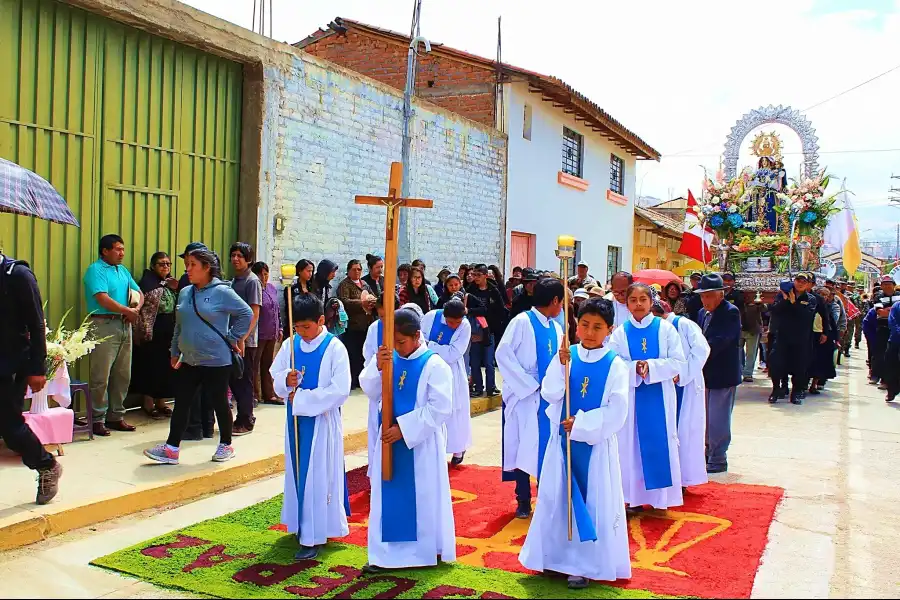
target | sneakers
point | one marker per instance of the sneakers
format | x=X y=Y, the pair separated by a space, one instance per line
x=223 y=453
x=162 y=453
x=48 y=483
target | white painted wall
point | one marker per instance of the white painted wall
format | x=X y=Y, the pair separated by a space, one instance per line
x=538 y=204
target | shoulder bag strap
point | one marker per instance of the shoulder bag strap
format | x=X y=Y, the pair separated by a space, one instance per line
x=208 y=324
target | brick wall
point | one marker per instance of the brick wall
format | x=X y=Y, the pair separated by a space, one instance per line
x=449 y=83
x=332 y=134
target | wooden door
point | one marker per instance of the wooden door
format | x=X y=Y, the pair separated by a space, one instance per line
x=522 y=249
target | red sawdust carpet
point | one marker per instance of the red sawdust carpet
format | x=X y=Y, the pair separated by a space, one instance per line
x=710 y=547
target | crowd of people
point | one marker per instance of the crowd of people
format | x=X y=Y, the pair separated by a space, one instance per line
x=653 y=372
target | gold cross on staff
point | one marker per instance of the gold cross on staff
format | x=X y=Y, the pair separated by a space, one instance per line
x=393 y=202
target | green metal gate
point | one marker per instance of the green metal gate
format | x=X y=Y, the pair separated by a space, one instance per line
x=141 y=135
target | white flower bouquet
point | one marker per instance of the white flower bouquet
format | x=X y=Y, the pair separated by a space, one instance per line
x=64 y=346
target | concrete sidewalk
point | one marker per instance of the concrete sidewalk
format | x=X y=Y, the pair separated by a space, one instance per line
x=109 y=477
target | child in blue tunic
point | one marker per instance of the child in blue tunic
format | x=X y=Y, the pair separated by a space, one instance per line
x=599 y=403
x=315 y=500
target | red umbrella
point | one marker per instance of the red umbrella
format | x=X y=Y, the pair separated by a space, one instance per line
x=651 y=276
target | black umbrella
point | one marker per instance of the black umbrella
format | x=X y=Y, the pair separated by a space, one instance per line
x=23 y=192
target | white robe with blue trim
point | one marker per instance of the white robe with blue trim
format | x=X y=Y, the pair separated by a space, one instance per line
x=517 y=360
x=322 y=518
x=547 y=546
x=662 y=370
x=459 y=423
x=423 y=432
x=692 y=422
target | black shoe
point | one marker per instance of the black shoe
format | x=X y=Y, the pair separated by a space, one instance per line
x=857 y=346
x=372 y=569
x=577 y=583
x=306 y=553
x=476 y=394
x=774 y=397
x=493 y=392
x=801 y=395
x=814 y=391
x=847 y=353
x=796 y=399
x=455 y=461
x=890 y=397
x=524 y=510
x=718 y=468
x=631 y=510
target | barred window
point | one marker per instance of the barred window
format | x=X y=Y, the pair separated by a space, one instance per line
x=571 y=152
x=616 y=174
x=613 y=261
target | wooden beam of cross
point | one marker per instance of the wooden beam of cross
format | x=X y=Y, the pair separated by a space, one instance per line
x=393 y=202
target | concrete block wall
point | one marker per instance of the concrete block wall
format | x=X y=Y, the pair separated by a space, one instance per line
x=334 y=136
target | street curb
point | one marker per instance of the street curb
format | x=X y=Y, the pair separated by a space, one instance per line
x=180 y=491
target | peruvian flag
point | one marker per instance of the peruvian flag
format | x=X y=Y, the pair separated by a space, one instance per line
x=696 y=239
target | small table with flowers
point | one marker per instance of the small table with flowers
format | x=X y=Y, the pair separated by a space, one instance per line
x=52 y=426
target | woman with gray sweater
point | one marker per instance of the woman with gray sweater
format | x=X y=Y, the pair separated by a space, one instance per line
x=207 y=311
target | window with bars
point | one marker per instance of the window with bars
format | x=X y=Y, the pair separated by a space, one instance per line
x=616 y=174
x=571 y=152
x=613 y=261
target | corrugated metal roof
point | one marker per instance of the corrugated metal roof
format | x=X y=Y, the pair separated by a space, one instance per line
x=551 y=87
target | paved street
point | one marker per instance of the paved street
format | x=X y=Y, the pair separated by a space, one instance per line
x=834 y=535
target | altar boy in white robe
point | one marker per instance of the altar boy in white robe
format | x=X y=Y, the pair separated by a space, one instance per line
x=315 y=502
x=411 y=516
x=447 y=333
x=599 y=396
x=648 y=443
x=528 y=346
x=374 y=340
x=690 y=391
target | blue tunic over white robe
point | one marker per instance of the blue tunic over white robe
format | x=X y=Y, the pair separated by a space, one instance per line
x=547 y=546
x=518 y=363
x=423 y=433
x=662 y=370
x=692 y=410
x=374 y=339
x=452 y=347
x=324 y=514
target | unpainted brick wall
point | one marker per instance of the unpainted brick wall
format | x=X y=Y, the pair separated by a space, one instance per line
x=335 y=136
x=385 y=61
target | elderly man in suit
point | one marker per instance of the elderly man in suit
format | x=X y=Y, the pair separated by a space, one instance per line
x=721 y=324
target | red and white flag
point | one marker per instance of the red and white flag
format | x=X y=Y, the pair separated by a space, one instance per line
x=696 y=239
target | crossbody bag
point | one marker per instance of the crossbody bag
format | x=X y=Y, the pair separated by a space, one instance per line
x=237 y=361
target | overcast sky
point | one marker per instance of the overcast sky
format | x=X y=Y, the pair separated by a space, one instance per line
x=680 y=74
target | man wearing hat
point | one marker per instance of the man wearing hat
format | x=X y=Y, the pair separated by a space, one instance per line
x=792 y=316
x=721 y=324
x=581 y=279
x=884 y=302
x=692 y=301
x=523 y=301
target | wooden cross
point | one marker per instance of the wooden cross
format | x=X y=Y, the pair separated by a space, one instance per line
x=393 y=202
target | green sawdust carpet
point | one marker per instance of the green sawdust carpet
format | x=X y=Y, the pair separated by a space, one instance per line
x=240 y=555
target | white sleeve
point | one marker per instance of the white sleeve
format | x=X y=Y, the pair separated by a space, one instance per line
x=519 y=383
x=311 y=403
x=370 y=346
x=698 y=353
x=280 y=369
x=618 y=343
x=662 y=369
x=370 y=381
x=553 y=387
x=420 y=424
x=459 y=343
x=599 y=424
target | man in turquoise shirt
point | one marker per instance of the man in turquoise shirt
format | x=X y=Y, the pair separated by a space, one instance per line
x=107 y=287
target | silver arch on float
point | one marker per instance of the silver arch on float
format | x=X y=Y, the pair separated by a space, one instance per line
x=785 y=115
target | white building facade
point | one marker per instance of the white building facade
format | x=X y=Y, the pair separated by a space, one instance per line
x=565 y=177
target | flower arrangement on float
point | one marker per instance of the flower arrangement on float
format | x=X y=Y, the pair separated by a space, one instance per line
x=805 y=203
x=722 y=206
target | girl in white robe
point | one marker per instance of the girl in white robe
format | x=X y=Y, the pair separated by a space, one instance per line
x=661 y=442
x=691 y=387
x=317 y=435
x=421 y=430
x=547 y=547
x=447 y=334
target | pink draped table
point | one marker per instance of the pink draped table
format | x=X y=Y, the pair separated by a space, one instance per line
x=52 y=426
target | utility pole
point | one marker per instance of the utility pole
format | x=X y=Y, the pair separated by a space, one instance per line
x=404 y=249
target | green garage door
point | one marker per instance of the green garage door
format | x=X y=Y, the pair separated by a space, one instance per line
x=140 y=135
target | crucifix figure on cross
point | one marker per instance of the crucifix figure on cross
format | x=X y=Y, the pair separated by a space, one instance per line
x=393 y=202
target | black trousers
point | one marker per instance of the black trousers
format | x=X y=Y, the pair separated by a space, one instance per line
x=523 y=485
x=892 y=369
x=354 y=342
x=189 y=381
x=879 y=352
x=242 y=390
x=790 y=359
x=13 y=428
x=203 y=417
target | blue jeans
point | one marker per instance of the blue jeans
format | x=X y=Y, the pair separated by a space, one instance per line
x=749 y=350
x=719 y=404
x=481 y=355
